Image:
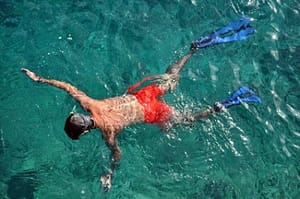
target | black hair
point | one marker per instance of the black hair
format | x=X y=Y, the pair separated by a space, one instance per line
x=75 y=126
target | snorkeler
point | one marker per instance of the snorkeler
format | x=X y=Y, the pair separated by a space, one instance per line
x=144 y=104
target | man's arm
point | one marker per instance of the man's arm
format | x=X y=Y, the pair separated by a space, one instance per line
x=78 y=95
x=113 y=145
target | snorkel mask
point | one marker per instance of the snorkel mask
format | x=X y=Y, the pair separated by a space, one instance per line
x=78 y=124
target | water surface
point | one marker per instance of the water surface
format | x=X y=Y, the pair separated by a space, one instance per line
x=102 y=47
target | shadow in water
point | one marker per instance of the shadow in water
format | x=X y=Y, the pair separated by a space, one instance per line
x=22 y=185
x=219 y=190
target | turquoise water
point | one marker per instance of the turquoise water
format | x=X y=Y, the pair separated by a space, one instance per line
x=102 y=47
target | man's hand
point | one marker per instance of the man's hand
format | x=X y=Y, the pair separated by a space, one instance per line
x=30 y=74
x=106 y=181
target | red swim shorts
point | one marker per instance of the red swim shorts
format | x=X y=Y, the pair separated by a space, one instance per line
x=155 y=111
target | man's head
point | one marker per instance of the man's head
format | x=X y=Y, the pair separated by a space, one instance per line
x=78 y=124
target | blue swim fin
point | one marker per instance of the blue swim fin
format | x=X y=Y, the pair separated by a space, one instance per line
x=242 y=91
x=252 y=98
x=235 y=31
x=243 y=94
x=241 y=35
x=234 y=25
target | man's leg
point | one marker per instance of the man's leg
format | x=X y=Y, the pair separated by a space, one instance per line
x=176 y=67
x=171 y=75
x=242 y=95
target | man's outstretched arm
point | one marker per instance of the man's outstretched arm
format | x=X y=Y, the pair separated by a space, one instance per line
x=78 y=95
x=113 y=145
